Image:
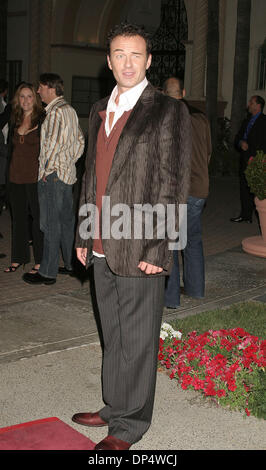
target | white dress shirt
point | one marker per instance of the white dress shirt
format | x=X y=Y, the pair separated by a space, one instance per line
x=127 y=101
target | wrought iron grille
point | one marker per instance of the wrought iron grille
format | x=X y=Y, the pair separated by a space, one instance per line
x=168 y=50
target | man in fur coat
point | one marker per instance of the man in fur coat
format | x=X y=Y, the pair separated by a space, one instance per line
x=138 y=160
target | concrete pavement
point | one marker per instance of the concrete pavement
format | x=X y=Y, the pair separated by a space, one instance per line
x=50 y=355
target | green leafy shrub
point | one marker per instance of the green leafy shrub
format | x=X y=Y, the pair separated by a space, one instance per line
x=256 y=175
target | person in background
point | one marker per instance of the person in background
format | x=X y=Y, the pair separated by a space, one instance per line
x=22 y=176
x=192 y=255
x=250 y=138
x=62 y=144
x=3 y=159
x=3 y=142
x=3 y=104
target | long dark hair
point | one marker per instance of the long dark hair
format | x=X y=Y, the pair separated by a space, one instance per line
x=38 y=112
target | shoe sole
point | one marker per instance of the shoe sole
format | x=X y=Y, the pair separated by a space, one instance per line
x=240 y=221
x=47 y=283
x=89 y=425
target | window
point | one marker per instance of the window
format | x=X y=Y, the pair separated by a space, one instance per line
x=87 y=90
x=14 y=74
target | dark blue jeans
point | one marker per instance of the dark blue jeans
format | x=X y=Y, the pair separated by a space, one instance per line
x=57 y=223
x=193 y=259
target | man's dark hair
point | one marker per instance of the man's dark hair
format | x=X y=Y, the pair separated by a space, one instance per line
x=261 y=101
x=128 y=29
x=180 y=81
x=3 y=85
x=52 y=80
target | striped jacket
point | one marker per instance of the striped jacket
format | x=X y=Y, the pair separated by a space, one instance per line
x=62 y=141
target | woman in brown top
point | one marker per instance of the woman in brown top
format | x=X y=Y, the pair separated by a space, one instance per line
x=24 y=141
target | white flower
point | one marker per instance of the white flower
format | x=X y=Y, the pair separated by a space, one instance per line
x=163 y=335
x=177 y=334
x=168 y=330
x=167 y=327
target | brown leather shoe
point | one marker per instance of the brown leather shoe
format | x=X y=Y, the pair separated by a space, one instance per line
x=112 y=443
x=89 y=419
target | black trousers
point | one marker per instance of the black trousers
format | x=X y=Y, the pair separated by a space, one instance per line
x=24 y=205
x=2 y=196
x=246 y=197
x=130 y=311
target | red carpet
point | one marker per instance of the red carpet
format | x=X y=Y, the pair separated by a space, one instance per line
x=43 y=434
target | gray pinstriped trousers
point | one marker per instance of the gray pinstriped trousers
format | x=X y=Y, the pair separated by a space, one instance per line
x=131 y=313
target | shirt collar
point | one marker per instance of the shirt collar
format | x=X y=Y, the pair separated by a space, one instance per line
x=128 y=99
x=52 y=102
x=255 y=116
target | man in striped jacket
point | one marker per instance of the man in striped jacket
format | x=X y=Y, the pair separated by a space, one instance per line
x=62 y=143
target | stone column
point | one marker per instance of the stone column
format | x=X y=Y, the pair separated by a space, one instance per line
x=188 y=66
x=199 y=50
x=45 y=35
x=40 y=38
x=34 y=41
x=221 y=45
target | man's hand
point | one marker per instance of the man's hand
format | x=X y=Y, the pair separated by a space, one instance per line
x=244 y=145
x=149 y=268
x=44 y=179
x=82 y=255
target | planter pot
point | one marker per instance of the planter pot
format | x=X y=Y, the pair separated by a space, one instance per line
x=261 y=208
x=257 y=245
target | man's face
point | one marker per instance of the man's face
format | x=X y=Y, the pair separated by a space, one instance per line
x=129 y=61
x=253 y=106
x=173 y=89
x=47 y=94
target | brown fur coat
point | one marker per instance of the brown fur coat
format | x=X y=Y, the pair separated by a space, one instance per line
x=151 y=166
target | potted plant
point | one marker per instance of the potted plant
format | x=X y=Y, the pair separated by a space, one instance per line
x=256 y=175
x=256 y=179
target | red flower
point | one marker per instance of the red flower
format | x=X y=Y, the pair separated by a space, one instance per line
x=197 y=383
x=210 y=391
x=194 y=361
x=186 y=381
x=232 y=386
